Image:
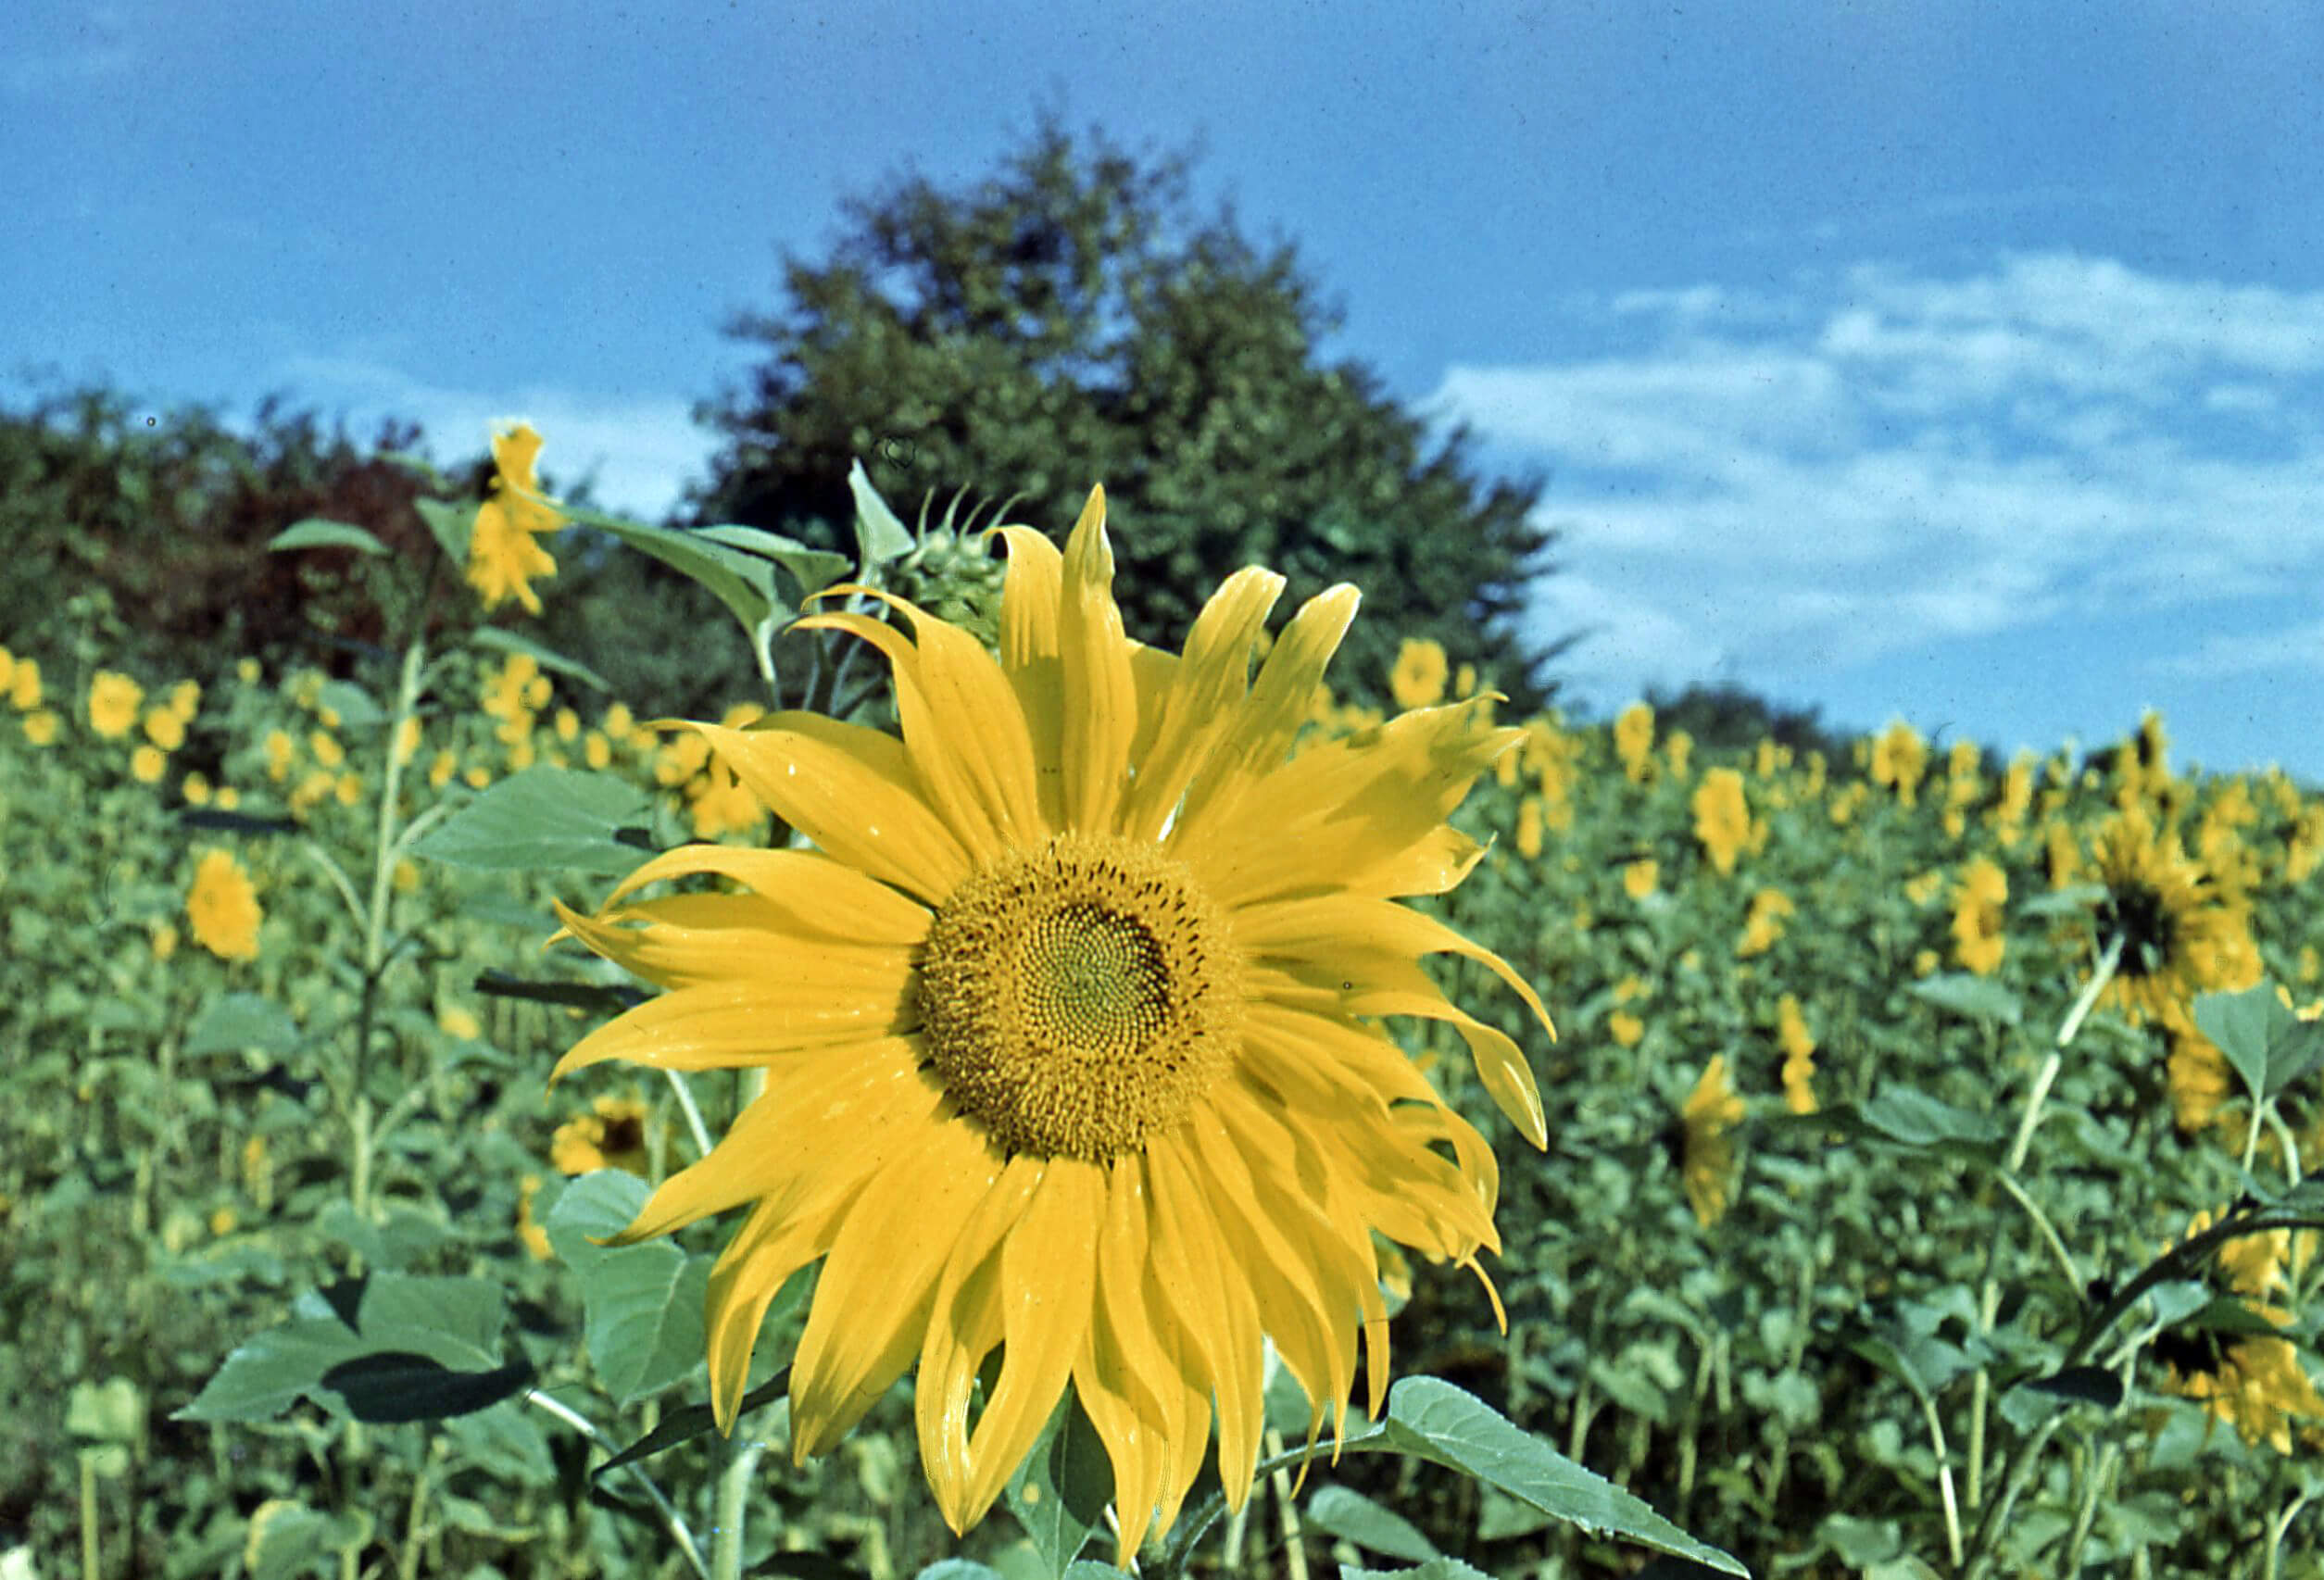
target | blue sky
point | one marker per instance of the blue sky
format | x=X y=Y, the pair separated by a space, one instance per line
x=1962 y=362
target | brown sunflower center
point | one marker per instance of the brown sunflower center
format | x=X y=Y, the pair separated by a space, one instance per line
x=2139 y=913
x=1079 y=996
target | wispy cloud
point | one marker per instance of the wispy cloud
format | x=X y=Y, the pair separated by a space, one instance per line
x=638 y=453
x=1776 y=483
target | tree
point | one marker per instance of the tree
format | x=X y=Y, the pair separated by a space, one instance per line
x=1067 y=322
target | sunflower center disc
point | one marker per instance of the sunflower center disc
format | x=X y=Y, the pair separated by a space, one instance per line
x=1079 y=996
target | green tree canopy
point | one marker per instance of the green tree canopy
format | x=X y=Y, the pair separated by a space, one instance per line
x=1068 y=321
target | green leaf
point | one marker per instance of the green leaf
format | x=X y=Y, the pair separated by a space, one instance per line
x=547 y=819
x=317 y=533
x=503 y=641
x=288 y=1539
x=415 y=1348
x=1908 y=1118
x=2245 y=1026
x=878 y=533
x=643 y=1302
x=2035 y=1400
x=452 y=525
x=811 y=569
x=1432 y=1420
x=689 y=1421
x=2071 y=900
x=1060 y=1491
x=743 y=581
x=350 y=704
x=1439 y=1568
x=1973 y=998
x=232 y=1021
x=1343 y=1511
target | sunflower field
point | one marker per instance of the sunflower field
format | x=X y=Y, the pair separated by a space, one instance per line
x=1027 y=1102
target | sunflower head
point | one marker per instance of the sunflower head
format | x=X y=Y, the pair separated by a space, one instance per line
x=1071 y=1027
x=2179 y=936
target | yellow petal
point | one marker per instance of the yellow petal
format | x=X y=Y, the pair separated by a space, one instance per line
x=772 y=1244
x=852 y=792
x=1121 y=1372
x=1340 y=1243
x=1287 y=1254
x=1206 y=689
x=1365 y=814
x=815 y=894
x=1212 y=1303
x=808 y=1139
x=963 y=732
x=1031 y=656
x=1316 y=927
x=689 y=940
x=1262 y=728
x=874 y=1293
x=743 y=1025
x=964 y=1324
x=1048 y=1273
x=1101 y=698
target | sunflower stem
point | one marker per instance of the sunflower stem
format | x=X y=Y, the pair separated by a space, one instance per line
x=734 y=1501
x=669 y=1516
x=687 y=1106
x=2108 y=964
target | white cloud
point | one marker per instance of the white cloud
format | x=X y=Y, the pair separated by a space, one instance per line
x=1775 y=486
x=638 y=453
x=2230 y=655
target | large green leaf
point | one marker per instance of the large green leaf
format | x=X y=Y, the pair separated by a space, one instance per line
x=642 y=1303
x=743 y=581
x=1432 y=1420
x=389 y=1348
x=547 y=819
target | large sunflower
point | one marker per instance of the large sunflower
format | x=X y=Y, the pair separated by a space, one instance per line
x=1069 y=1024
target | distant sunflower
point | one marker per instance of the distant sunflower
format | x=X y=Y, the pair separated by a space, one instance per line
x=1417 y=681
x=503 y=555
x=1069 y=1027
x=2255 y=1382
x=1706 y=1151
x=2180 y=935
x=1722 y=815
x=1979 y=922
x=222 y=908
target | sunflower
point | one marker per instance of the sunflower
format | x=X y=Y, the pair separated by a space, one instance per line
x=1069 y=1026
x=503 y=556
x=2180 y=935
x=1417 y=681
x=1979 y=939
x=1706 y=1152
x=611 y=1135
x=2252 y=1381
x=1722 y=817
x=222 y=908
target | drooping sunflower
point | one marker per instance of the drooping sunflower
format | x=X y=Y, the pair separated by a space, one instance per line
x=504 y=554
x=1070 y=1029
x=2180 y=935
